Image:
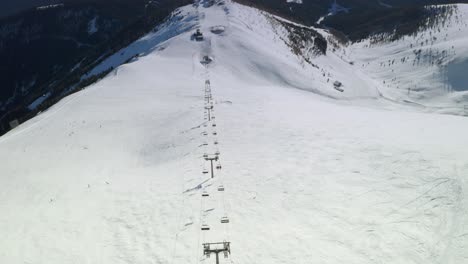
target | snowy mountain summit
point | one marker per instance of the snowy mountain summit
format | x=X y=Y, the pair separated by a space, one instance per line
x=278 y=141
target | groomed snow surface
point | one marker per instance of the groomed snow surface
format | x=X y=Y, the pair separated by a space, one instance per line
x=114 y=173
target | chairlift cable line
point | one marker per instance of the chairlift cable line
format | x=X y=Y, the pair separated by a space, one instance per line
x=222 y=202
x=225 y=211
x=201 y=234
x=199 y=230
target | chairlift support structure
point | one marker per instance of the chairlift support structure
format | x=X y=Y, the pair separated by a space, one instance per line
x=209 y=109
x=211 y=159
x=216 y=248
x=198 y=35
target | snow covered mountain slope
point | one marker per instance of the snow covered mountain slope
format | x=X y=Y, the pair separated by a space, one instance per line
x=418 y=68
x=115 y=173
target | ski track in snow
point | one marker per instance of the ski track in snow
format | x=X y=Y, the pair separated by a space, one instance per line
x=113 y=174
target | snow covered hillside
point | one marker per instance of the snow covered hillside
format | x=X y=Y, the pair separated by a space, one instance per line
x=417 y=69
x=117 y=173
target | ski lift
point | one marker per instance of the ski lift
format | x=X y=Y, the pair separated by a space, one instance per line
x=214 y=125
x=217 y=153
x=205 y=194
x=221 y=188
x=224 y=220
x=216 y=142
x=205 y=227
x=205 y=133
x=218 y=167
x=205 y=171
x=206 y=60
x=198 y=35
x=214 y=133
x=205 y=155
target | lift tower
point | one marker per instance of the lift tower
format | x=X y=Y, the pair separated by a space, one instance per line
x=216 y=248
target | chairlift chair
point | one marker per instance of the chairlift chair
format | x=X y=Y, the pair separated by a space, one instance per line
x=224 y=220
x=198 y=35
x=221 y=188
x=206 y=59
x=205 y=194
x=205 y=227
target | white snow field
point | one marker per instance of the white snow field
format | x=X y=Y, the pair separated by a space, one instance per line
x=416 y=69
x=114 y=173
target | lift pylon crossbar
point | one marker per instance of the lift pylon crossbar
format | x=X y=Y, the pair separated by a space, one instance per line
x=216 y=248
